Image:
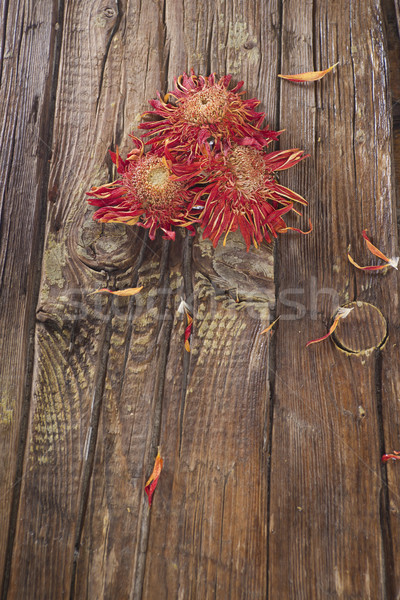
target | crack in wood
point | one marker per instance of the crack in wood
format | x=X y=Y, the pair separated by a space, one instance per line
x=107 y=50
x=391 y=11
x=93 y=430
x=164 y=334
x=91 y=439
x=132 y=307
x=188 y=291
x=3 y=35
x=2 y=207
x=272 y=354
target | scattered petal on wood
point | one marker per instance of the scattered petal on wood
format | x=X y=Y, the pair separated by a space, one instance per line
x=390 y=262
x=270 y=326
x=127 y=292
x=309 y=76
x=394 y=456
x=183 y=307
x=284 y=229
x=188 y=330
x=152 y=481
x=341 y=314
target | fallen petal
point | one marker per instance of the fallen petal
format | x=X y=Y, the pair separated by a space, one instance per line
x=368 y=268
x=152 y=481
x=309 y=76
x=341 y=314
x=373 y=248
x=270 y=326
x=390 y=262
x=394 y=456
x=183 y=307
x=188 y=330
x=284 y=229
x=127 y=292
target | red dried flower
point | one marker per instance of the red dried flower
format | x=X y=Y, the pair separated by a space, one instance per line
x=205 y=108
x=144 y=195
x=239 y=191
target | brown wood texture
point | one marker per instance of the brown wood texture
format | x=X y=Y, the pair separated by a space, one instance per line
x=272 y=484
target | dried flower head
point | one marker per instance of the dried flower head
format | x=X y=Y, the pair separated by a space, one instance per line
x=144 y=194
x=205 y=108
x=239 y=190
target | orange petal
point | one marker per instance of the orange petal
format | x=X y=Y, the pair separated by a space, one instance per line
x=373 y=248
x=284 y=229
x=152 y=481
x=127 y=292
x=341 y=314
x=390 y=262
x=270 y=326
x=188 y=330
x=309 y=76
x=368 y=268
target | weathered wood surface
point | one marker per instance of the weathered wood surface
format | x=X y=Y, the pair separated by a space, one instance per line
x=272 y=484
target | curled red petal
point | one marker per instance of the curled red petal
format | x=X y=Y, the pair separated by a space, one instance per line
x=296 y=229
x=395 y=456
x=188 y=330
x=151 y=483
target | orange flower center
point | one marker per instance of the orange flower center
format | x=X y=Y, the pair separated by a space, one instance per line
x=206 y=106
x=248 y=168
x=149 y=182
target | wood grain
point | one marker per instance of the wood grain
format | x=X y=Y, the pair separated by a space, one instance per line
x=327 y=421
x=272 y=484
x=28 y=56
x=74 y=330
x=389 y=388
x=145 y=423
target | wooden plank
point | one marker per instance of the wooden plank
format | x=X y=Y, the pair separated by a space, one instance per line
x=389 y=378
x=73 y=331
x=325 y=479
x=145 y=407
x=208 y=524
x=114 y=528
x=28 y=56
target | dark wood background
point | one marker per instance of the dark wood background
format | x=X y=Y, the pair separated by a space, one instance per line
x=272 y=484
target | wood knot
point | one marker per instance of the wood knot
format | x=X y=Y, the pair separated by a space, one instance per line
x=109 y=12
x=364 y=329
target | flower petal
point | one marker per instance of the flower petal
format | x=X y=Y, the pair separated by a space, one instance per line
x=284 y=229
x=373 y=248
x=188 y=330
x=152 y=481
x=127 y=292
x=368 y=268
x=394 y=456
x=309 y=75
x=341 y=314
x=390 y=262
x=270 y=326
